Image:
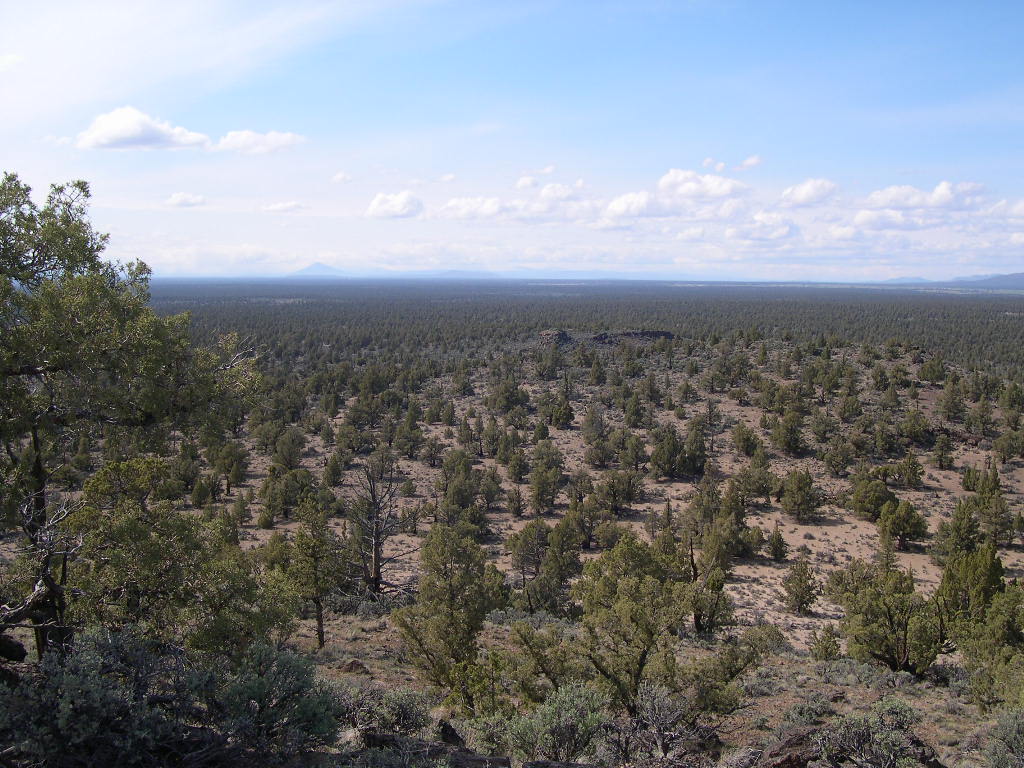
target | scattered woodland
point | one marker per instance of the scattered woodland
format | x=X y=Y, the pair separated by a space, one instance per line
x=425 y=523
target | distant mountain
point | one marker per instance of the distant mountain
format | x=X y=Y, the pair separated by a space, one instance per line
x=973 y=278
x=1011 y=282
x=317 y=269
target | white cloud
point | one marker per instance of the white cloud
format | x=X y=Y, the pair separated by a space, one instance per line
x=764 y=226
x=635 y=204
x=526 y=182
x=945 y=195
x=808 y=192
x=690 y=234
x=185 y=200
x=341 y=177
x=555 y=192
x=690 y=184
x=841 y=232
x=253 y=143
x=547 y=170
x=886 y=219
x=288 y=206
x=447 y=178
x=471 y=208
x=398 y=205
x=129 y=128
x=751 y=162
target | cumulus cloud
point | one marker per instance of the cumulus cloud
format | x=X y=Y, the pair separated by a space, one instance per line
x=130 y=128
x=886 y=219
x=185 y=200
x=398 y=205
x=254 y=143
x=690 y=184
x=751 y=162
x=526 y=182
x=635 y=204
x=808 y=192
x=341 y=178
x=945 y=195
x=287 y=206
x=710 y=162
x=763 y=226
x=1017 y=238
x=447 y=178
x=471 y=208
x=842 y=232
x=554 y=192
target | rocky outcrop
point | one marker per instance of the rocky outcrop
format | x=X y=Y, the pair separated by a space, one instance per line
x=794 y=750
x=555 y=336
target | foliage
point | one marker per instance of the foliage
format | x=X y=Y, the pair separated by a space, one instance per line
x=801 y=587
x=564 y=728
x=886 y=620
x=884 y=737
x=120 y=699
x=800 y=498
x=457 y=589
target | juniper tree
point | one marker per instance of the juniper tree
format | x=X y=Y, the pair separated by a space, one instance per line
x=318 y=565
x=81 y=348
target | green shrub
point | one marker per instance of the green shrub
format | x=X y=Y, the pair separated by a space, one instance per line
x=825 y=645
x=384 y=710
x=883 y=737
x=1005 y=747
x=98 y=706
x=563 y=728
x=272 y=702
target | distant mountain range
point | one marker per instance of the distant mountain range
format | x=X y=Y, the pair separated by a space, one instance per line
x=1008 y=282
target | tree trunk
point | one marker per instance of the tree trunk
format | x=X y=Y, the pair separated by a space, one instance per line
x=319 y=605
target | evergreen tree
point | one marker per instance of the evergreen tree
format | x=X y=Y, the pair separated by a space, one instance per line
x=902 y=522
x=800 y=587
x=800 y=498
x=317 y=566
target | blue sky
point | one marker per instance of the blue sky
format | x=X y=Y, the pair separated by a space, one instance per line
x=779 y=140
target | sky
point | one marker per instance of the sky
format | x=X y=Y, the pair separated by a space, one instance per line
x=696 y=139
